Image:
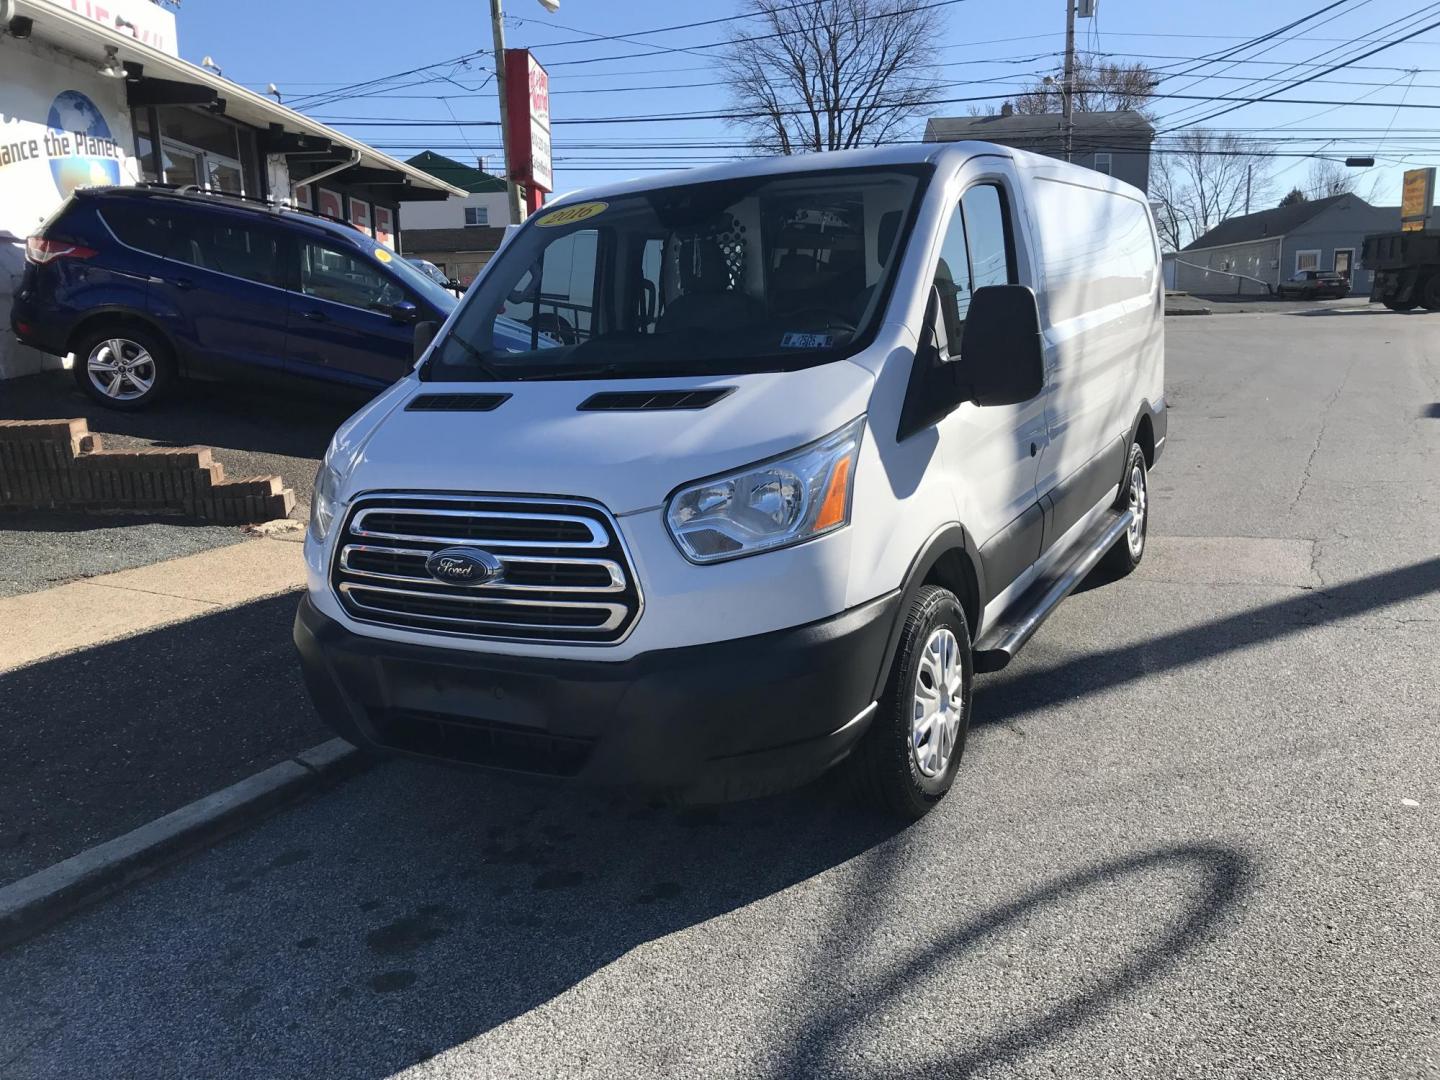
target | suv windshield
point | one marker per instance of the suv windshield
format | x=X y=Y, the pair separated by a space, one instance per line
x=417 y=279
x=753 y=274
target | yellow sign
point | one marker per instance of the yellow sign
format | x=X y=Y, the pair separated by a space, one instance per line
x=569 y=215
x=1417 y=199
x=382 y=255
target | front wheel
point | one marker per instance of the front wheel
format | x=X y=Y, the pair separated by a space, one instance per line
x=1397 y=305
x=1134 y=496
x=907 y=760
x=123 y=367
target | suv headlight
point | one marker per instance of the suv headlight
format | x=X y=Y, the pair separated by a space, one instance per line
x=325 y=502
x=771 y=504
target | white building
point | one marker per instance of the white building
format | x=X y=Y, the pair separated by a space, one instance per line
x=461 y=233
x=95 y=93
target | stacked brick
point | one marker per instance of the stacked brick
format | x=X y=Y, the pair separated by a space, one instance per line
x=60 y=465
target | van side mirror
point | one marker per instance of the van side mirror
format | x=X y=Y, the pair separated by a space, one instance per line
x=1001 y=350
x=424 y=334
x=935 y=389
x=404 y=311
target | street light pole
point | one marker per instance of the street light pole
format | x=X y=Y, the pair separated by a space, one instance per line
x=1068 y=93
x=512 y=189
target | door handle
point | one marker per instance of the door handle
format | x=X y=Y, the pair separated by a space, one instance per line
x=182 y=283
x=315 y=316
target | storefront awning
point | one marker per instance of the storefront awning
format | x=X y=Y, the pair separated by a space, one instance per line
x=157 y=78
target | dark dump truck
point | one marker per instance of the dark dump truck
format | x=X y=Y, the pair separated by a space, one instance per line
x=1406 y=266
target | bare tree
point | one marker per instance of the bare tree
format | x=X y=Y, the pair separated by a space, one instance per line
x=1328 y=178
x=1207 y=177
x=1100 y=86
x=831 y=74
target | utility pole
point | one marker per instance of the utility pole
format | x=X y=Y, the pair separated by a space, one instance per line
x=1248 y=170
x=497 y=25
x=1068 y=93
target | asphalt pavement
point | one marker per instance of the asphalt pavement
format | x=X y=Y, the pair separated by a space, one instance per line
x=1194 y=835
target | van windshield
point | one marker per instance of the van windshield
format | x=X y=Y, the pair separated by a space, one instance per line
x=753 y=274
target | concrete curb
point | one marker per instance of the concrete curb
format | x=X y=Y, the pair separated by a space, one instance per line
x=45 y=897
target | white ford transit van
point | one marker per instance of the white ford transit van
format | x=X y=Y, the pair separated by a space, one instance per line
x=798 y=447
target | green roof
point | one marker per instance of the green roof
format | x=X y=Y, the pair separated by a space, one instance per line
x=468 y=177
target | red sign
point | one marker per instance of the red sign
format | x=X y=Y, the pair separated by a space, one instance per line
x=385 y=225
x=527 y=120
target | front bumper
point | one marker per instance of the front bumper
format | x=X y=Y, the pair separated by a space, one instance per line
x=731 y=719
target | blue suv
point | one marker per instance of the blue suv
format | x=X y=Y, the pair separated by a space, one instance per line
x=145 y=285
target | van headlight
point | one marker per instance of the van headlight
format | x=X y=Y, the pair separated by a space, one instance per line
x=771 y=504
x=325 y=501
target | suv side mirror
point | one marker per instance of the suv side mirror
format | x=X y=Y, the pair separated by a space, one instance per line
x=1001 y=350
x=404 y=311
x=424 y=334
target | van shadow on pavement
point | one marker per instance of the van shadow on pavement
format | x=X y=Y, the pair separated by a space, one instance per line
x=419 y=907
x=378 y=929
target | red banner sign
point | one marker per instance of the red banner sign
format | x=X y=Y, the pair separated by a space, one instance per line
x=527 y=119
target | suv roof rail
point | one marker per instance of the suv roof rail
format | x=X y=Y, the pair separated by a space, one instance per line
x=249 y=202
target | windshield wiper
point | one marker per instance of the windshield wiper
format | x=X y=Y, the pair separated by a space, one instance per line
x=476 y=357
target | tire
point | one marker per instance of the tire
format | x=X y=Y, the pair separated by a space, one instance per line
x=887 y=769
x=147 y=366
x=1429 y=293
x=1398 y=305
x=1134 y=495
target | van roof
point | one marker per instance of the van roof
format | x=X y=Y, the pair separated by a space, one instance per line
x=871 y=157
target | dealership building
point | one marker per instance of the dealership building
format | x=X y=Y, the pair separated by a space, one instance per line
x=95 y=93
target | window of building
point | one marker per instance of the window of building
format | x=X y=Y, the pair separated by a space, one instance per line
x=241 y=251
x=1104 y=164
x=477 y=215
x=976 y=252
x=344 y=278
x=1307 y=260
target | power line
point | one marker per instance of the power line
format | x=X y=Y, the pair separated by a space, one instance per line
x=1329 y=70
x=756 y=37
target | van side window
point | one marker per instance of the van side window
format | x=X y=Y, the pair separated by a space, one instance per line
x=327 y=273
x=976 y=252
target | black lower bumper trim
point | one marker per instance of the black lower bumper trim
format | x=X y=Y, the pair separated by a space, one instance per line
x=724 y=720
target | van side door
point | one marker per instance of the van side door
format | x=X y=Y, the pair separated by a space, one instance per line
x=343 y=326
x=991 y=453
x=220 y=293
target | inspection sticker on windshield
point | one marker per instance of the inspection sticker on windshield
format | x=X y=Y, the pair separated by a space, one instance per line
x=806 y=341
x=569 y=215
x=382 y=254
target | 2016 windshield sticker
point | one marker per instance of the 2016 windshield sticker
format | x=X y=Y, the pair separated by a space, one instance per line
x=382 y=254
x=569 y=215
x=806 y=341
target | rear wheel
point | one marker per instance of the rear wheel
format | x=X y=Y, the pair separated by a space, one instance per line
x=907 y=760
x=1398 y=305
x=122 y=366
x=1135 y=497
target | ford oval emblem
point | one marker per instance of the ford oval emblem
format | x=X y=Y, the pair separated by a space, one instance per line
x=464 y=566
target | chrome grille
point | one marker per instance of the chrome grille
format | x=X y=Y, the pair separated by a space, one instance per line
x=566 y=576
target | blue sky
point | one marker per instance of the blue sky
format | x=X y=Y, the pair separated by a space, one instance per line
x=988 y=47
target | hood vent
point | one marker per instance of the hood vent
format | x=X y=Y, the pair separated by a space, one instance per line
x=644 y=400
x=456 y=402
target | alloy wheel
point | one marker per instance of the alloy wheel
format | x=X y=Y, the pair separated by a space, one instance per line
x=121 y=369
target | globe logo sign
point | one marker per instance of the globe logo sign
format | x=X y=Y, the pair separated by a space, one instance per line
x=79 y=145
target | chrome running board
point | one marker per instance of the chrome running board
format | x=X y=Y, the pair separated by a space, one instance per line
x=998 y=646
